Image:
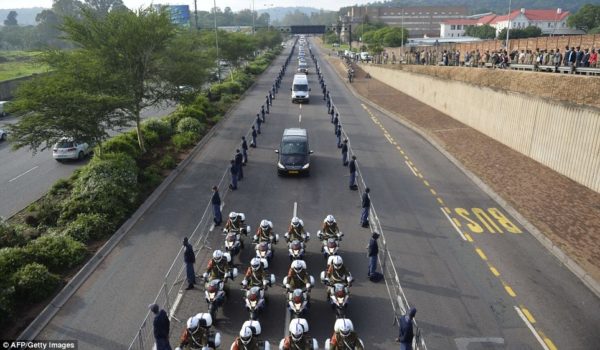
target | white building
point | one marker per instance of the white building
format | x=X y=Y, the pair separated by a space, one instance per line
x=551 y=22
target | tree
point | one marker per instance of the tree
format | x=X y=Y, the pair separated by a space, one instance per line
x=103 y=7
x=47 y=28
x=69 y=102
x=483 y=32
x=11 y=19
x=67 y=8
x=587 y=18
x=129 y=46
x=528 y=32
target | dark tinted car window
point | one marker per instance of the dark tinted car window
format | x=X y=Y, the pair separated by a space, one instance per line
x=65 y=144
x=300 y=87
x=294 y=147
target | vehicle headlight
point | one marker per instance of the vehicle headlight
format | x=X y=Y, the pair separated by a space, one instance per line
x=253 y=303
x=306 y=166
x=280 y=166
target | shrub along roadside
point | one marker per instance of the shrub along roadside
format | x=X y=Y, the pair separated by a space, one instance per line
x=44 y=243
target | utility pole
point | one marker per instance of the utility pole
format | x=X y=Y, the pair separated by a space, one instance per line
x=508 y=28
x=217 y=40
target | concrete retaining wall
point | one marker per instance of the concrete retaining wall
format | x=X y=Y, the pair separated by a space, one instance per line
x=564 y=137
x=8 y=87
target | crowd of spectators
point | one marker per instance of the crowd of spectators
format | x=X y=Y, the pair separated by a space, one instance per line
x=573 y=57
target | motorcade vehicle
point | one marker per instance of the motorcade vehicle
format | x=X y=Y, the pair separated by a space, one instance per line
x=294 y=153
x=300 y=89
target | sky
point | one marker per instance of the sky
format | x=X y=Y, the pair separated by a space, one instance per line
x=204 y=5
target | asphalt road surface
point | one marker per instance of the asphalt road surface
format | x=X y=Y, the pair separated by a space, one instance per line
x=25 y=177
x=479 y=281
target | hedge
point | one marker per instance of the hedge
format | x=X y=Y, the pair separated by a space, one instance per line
x=33 y=282
x=57 y=252
x=189 y=125
x=88 y=227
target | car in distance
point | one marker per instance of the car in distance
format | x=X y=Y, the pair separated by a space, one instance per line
x=3 y=135
x=70 y=149
x=294 y=153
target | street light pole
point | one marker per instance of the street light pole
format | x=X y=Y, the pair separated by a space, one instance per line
x=508 y=28
x=217 y=40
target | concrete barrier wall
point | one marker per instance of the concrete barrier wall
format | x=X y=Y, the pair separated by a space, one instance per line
x=564 y=137
x=8 y=87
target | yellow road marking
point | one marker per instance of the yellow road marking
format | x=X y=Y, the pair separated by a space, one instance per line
x=468 y=237
x=421 y=176
x=527 y=314
x=405 y=157
x=494 y=271
x=427 y=184
x=398 y=148
x=447 y=210
x=456 y=222
x=509 y=290
x=481 y=254
x=433 y=192
x=441 y=201
x=550 y=344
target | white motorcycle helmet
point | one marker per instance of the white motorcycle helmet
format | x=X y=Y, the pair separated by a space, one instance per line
x=295 y=221
x=297 y=328
x=330 y=219
x=246 y=334
x=233 y=215
x=298 y=265
x=264 y=224
x=200 y=320
x=343 y=326
x=337 y=262
x=217 y=255
x=255 y=263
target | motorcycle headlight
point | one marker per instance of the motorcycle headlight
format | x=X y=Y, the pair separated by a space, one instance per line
x=280 y=166
x=211 y=296
x=340 y=300
x=306 y=166
x=297 y=306
x=331 y=250
x=295 y=251
x=253 y=303
x=262 y=253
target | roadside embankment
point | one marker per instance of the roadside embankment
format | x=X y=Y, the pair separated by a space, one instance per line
x=565 y=212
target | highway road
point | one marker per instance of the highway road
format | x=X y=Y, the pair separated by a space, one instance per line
x=478 y=279
x=25 y=176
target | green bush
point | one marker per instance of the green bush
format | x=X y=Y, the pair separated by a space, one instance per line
x=33 y=282
x=56 y=252
x=46 y=210
x=9 y=235
x=150 y=178
x=161 y=127
x=106 y=185
x=151 y=138
x=184 y=141
x=89 y=227
x=60 y=187
x=167 y=162
x=11 y=259
x=7 y=303
x=120 y=144
x=189 y=125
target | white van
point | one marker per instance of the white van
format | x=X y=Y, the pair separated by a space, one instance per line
x=300 y=89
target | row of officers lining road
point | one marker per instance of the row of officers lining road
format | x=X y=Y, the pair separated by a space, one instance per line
x=257 y=279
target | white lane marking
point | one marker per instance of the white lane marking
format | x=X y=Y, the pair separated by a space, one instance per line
x=32 y=169
x=300 y=118
x=454 y=225
x=287 y=312
x=176 y=303
x=530 y=326
x=411 y=168
x=295 y=208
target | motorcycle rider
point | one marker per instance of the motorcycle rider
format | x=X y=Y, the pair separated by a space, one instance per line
x=337 y=272
x=344 y=337
x=246 y=340
x=298 y=339
x=197 y=333
x=235 y=222
x=264 y=233
x=255 y=275
x=330 y=228
x=296 y=231
x=218 y=267
x=297 y=276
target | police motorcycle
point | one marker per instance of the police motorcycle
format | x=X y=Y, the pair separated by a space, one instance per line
x=344 y=337
x=254 y=289
x=233 y=243
x=264 y=247
x=198 y=335
x=214 y=289
x=249 y=338
x=298 y=337
x=325 y=237
x=298 y=296
x=237 y=224
x=297 y=240
x=330 y=247
x=338 y=291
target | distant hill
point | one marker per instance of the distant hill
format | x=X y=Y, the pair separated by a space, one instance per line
x=277 y=13
x=24 y=16
x=496 y=6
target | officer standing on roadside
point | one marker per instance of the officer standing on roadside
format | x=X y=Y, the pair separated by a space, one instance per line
x=254 y=135
x=372 y=252
x=161 y=325
x=216 y=204
x=366 y=207
x=244 y=150
x=239 y=161
x=352 y=168
x=406 y=330
x=258 y=123
x=338 y=133
x=234 y=175
x=189 y=258
x=345 y=153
